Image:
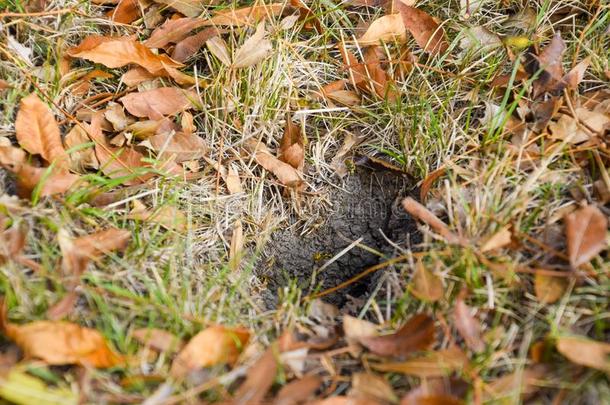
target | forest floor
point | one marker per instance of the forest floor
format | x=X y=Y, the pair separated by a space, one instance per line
x=359 y=202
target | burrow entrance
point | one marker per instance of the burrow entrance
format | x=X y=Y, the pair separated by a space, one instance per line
x=367 y=207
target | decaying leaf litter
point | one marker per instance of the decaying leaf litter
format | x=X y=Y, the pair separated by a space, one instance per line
x=151 y=148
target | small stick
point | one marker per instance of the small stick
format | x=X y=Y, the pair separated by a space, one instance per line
x=425 y=215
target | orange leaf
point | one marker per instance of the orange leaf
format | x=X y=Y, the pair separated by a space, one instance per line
x=212 y=346
x=434 y=364
x=386 y=28
x=286 y=174
x=426 y=285
x=38 y=133
x=417 y=334
x=172 y=31
x=49 y=181
x=586 y=234
x=158 y=339
x=126 y=12
x=179 y=145
x=585 y=352
x=291 y=145
x=548 y=288
x=114 y=52
x=190 y=46
x=58 y=343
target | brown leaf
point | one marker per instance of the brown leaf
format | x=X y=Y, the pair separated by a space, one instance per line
x=190 y=8
x=426 y=285
x=550 y=62
x=343 y=400
x=115 y=52
x=357 y=329
x=573 y=78
x=291 y=145
x=428 y=34
x=115 y=114
x=386 y=28
x=64 y=306
x=169 y=217
x=298 y=391
x=158 y=339
x=78 y=252
x=549 y=289
x=179 y=146
x=38 y=133
x=190 y=46
x=585 y=352
x=586 y=234
x=126 y=12
x=135 y=76
x=468 y=327
x=58 y=343
x=173 y=31
x=159 y=102
x=49 y=182
x=521 y=383
x=417 y=334
x=498 y=240
x=286 y=174
x=218 y=47
x=12 y=240
x=433 y=364
x=246 y=15
x=255 y=49
x=213 y=345
x=372 y=387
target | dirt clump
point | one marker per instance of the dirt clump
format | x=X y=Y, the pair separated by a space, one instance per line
x=367 y=207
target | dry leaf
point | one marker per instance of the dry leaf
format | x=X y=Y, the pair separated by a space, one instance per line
x=372 y=387
x=434 y=364
x=338 y=162
x=342 y=400
x=158 y=339
x=179 y=146
x=169 y=217
x=426 y=285
x=173 y=31
x=218 y=47
x=126 y=12
x=237 y=245
x=567 y=129
x=286 y=174
x=468 y=327
x=191 y=45
x=246 y=15
x=115 y=52
x=291 y=145
x=12 y=240
x=38 y=133
x=212 y=346
x=549 y=289
x=586 y=234
x=387 y=28
x=521 y=383
x=356 y=329
x=585 y=352
x=159 y=102
x=190 y=8
x=428 y=34
x=550 y=60
x=417 y=334
x=115 y=114
x=58 y=343
x=255 y=49
x=298 y=391
x=498 y=240
x=45 y=180
x=232 y=180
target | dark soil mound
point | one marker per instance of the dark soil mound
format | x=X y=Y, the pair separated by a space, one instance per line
x=367 y=208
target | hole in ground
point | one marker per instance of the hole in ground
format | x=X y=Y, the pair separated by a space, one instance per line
x=367 y=207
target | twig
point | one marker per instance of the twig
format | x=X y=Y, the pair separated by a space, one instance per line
x=423 y=214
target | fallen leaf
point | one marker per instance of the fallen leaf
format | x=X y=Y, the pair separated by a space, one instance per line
x=433 y=364
x=372 y=387
x=586 y=230
x=179 y=146
x=135 y=76
x=38 y=133
x=338 y=162
x=567 y=129
x=214 y=345
x=291 y=145
x=115 y=114
x=169 y=217
x=115 y=52
x=415 y=335
x=64 y=306
x=550 y=61
x=78 y=252
x=468 y=327
x=59 y=343
x=342 y=400
x=298 y=391
x=159 y=102
x=498 y=240
x=23 y=52
x=386 y=28
x=126 y=12
x=237 y=245
x=521 y=383
x=585 y=352
x=173 y=31
x=190 y=8
x=428 y=34
x=44 y=181
x=218 y=47
x=255 y=49
x=4 y=85
x=573 y=78
x=479 y=39
x=158 y=339
x=246 y=15
x=189 y=46
x=426 y=285
x=12 y=240
x=357 y=329
x=549 y=289
x=286 y=174
x=23 y=389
